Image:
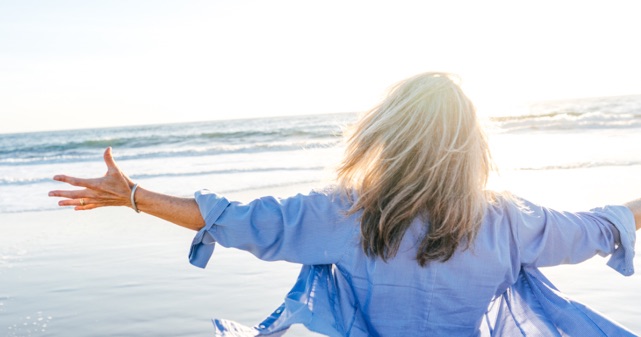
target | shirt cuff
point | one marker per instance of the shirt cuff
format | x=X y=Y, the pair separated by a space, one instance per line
x=622 y=260
x=211 y=207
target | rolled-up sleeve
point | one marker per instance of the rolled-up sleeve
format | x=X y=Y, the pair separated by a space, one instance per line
x=211 y=207
x=547 y=237
x=307 y=229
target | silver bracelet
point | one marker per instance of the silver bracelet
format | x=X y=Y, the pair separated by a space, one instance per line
x=133 y=202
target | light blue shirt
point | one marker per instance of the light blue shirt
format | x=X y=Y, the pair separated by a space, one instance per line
x=491 y=289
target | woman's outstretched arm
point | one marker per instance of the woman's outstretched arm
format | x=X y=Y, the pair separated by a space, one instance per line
x=635 y=207
x=114 y=189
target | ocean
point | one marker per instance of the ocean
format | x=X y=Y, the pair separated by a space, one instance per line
x=114 y=272
x=237 y=155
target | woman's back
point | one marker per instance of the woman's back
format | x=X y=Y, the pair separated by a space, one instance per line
x=401 y=298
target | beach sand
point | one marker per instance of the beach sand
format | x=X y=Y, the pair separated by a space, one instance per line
x=115 y=272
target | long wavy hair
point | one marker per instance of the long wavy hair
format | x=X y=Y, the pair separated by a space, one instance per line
x=420 y=153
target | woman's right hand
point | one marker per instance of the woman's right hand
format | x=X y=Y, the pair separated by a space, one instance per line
x=113 y=189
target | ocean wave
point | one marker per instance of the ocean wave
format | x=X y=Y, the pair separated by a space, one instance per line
x=580 y=165
x=191 y=139
x=224 y=171
x=11 y=181
x=165 y=151
x=567 y=120
x=154 y=134
x=4 y=181
x=621 y=112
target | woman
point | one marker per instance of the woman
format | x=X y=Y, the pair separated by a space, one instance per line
x=409 y=242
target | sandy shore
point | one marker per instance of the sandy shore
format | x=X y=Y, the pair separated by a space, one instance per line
x=115 y=272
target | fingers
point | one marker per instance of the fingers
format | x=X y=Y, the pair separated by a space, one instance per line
x=80 y=204
x=74 y=181
x=73 y=202
x=90 y=183
x=87 y=204
x=113 y=169
x=68 y=194
x=109 y=160
x=73 y=198
x=86 y=207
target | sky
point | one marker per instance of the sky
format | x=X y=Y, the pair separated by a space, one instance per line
x=76 y=64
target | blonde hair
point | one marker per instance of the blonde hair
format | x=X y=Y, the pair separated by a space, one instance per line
x=420 y=153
